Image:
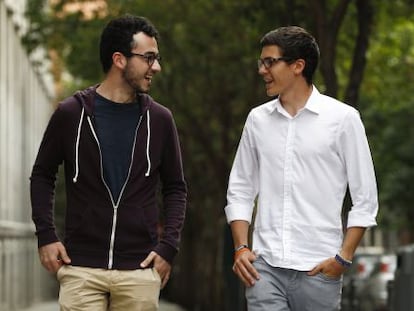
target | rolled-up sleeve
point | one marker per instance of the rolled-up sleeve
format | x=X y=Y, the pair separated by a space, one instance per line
x=243 y=181
x=360 y=172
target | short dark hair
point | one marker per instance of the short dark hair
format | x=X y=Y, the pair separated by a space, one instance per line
x=118 y=34
x=295 y=43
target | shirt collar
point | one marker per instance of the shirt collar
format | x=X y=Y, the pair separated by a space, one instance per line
x=312 y=104
x=314 y=100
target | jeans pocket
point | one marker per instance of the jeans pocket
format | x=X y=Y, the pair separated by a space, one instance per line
x=329 y=278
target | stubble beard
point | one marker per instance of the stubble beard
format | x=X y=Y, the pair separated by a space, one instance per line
x=129 y=78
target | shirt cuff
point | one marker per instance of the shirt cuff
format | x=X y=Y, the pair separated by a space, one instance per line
x=166 y=251
x=46 y=237
x=238 y=212
x=361 y=219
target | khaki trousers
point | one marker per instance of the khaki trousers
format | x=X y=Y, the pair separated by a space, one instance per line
x=101 y=290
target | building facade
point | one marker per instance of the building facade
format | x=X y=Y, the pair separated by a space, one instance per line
x=25 y=107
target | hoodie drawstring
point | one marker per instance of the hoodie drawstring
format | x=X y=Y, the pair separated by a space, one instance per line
x=75 y=178
x=148 y=142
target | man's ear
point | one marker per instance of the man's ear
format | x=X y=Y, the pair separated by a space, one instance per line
x=299 y=66
x=119 y=60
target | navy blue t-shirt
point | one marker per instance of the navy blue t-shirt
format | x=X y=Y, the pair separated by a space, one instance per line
x=115 y=126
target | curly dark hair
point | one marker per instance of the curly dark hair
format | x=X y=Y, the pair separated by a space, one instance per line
x=118 y=34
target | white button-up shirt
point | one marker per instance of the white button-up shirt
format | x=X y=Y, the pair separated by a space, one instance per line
x=298 y=168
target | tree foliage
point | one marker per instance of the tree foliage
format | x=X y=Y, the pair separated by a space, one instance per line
x=388 y=109
x=209 y=80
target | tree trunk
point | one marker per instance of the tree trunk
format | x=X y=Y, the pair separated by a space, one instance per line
x=326 y=32
x=365 y=22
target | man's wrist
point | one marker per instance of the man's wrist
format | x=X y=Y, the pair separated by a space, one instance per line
x=239 y=250
x=240 y=247
x=342 y=261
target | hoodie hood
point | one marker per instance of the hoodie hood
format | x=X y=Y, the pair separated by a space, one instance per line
x=87 y=99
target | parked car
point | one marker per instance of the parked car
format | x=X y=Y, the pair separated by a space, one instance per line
x=364 y=263
x=373 y=293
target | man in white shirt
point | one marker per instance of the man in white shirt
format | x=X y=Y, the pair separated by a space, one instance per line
x=296 y=157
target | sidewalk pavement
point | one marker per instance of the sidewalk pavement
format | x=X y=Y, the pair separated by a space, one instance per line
x=53 y=306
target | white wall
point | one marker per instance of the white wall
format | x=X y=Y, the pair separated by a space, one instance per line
x=25 y=107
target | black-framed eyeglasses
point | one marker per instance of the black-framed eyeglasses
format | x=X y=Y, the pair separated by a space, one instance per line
x=268 y=62
x=150 y=58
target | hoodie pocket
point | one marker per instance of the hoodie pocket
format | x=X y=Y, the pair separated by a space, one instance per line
x=136 y=229
x=90 y=230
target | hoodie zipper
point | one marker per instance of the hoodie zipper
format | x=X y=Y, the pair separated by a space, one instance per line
x=114 y=205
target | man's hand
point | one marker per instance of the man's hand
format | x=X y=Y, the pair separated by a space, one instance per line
x=53 y=256
x=244 y=269
x=329 y=267
x=160 y=264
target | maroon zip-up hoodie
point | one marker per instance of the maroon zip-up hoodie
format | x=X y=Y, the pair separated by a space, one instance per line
x=101 y=232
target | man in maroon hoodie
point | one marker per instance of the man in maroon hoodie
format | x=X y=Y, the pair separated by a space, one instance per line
x=116 y=144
